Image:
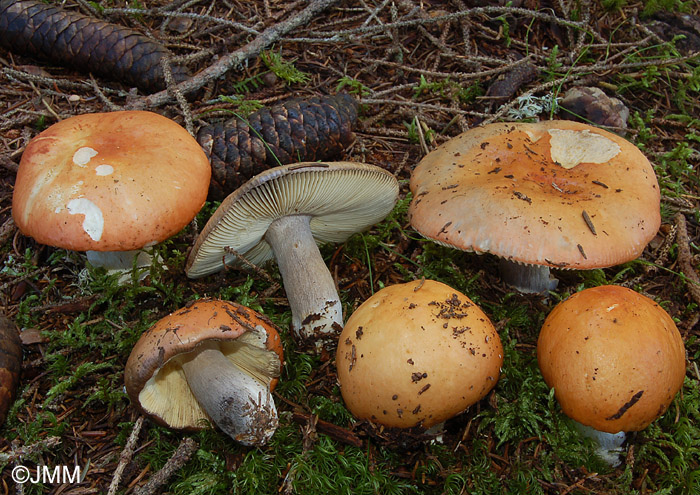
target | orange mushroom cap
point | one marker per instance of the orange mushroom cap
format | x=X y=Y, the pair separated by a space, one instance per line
x=555 y=193
x=416 y=354
x=114 y=181
x=153 y=374
x=613 y=356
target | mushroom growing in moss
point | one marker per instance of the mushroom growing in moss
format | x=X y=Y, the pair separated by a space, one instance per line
x=284 y=212
x=110 y=184
x=614 y=358
x=554 y=194
x=417 y=354
x=212 y=360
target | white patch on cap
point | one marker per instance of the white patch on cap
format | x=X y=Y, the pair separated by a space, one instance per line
x=569 y=148
x=534 y=137
x=104 y=170
x=610 y=308
x=75 y=188
x=94 y=223
x=83 y=156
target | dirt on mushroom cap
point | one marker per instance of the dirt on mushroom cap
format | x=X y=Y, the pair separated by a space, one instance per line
x=417 y=354
x=181 y=332
x=524 y=192
x=613 y=356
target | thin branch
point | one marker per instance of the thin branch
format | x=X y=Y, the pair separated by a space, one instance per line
x=370 y=30
x=685 y=258
x=186 y=15
x=182 y=454
x=125 y=456
x=237 y=57
x=19 y=453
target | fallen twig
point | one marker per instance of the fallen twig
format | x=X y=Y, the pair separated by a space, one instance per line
x=237 y=57
x=182 y=454
x=685 y=258
x=334 y=431
x=125 y=456
x=19 y=453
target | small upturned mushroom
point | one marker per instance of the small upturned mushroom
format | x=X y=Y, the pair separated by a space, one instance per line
x=614 y=358
x=10 y=364
x=212 y=360
x=284 y=212
x=417 y=354
x=110 y=184
x=553 y=194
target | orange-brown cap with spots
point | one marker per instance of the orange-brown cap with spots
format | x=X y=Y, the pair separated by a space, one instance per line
x=153 y=375
x=613 y=356
x=416 y=354
x=555 y=193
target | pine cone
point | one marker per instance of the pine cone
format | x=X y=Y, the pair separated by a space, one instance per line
x=46 y=32
x=297 y=130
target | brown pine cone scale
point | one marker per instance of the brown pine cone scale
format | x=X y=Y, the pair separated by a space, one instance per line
x=297 y=130
x=45 y=32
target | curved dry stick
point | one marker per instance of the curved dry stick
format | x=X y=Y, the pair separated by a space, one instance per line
x=235 y=58
x=35 y=29
x=685 y=258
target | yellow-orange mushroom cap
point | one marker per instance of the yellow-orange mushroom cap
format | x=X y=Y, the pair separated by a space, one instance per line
x=115 y=181
x=554 y=194
x=416 y=354
x=614 y=358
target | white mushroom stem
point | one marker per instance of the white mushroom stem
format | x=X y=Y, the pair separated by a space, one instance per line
x=317 y=314
x=608 y=445
x=122 y=262
x=239 y=404
x=529 y=279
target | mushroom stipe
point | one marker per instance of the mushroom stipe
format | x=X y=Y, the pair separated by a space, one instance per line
x=210 y=361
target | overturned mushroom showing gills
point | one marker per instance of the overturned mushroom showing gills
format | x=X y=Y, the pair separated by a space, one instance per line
x=555 y=194
x=284 y=213
x=10 y=364
x=416 y=354
x=614 y=358
x=212 y=360
x=110 y=184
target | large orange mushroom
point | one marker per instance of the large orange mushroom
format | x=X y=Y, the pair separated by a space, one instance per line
x=110 y=184
x=614 y=358
x=553 y=194
x=417 y=354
